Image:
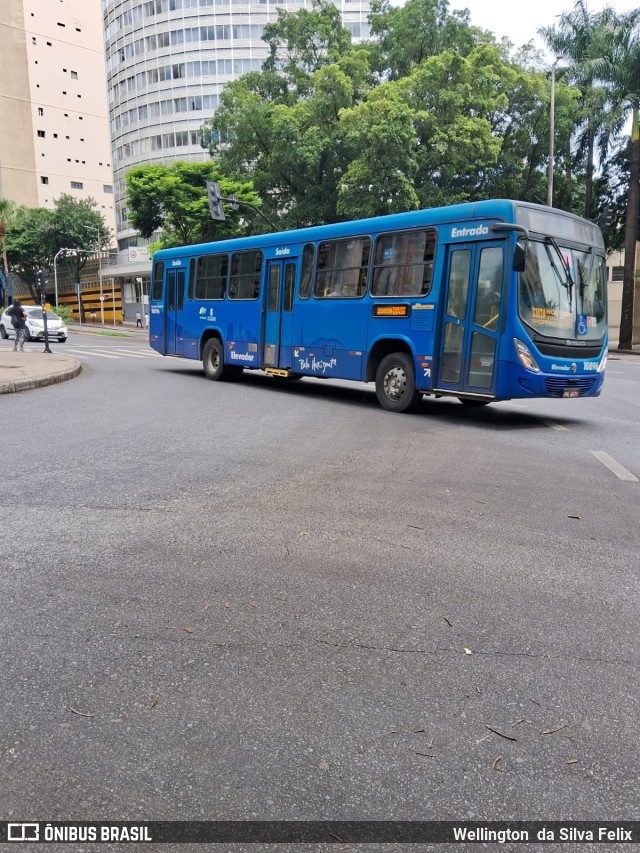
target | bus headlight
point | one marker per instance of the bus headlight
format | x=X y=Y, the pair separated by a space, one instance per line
x=602 y=364
x=525 y=356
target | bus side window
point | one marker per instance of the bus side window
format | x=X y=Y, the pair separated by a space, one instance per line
x=246 y=271
x=306 y=275
x=489 y=288
x=192 y=278
x=211 y=277
x=342 y=268
x=158 y=276
x=403 y=263
x=458 y=283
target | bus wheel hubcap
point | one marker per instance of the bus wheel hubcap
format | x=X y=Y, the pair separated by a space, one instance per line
x=395 y=383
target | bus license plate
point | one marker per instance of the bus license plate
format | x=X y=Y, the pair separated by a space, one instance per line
x=573 y=392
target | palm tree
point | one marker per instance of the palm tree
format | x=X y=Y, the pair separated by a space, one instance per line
x=618 y=68
x=574 y=41
x=6 y=210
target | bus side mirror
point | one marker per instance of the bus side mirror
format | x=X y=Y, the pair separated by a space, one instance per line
x=519 y=257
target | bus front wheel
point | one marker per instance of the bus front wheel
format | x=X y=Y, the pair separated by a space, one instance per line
x=213 y=362
x=396 y=383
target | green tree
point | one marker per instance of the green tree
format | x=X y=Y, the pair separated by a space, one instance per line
x=576 y=41
x=408 y=34
x=76 y=224
x=302 y=42
x=451 y=98
x=173 y=198
x=7 y=208
x=618 y=68
x=29 y=244
x=293 y=153
x=380 y=144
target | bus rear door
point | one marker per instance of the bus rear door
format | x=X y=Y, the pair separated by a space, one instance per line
x=276 y=351
x=174 y=334
x=471 y=319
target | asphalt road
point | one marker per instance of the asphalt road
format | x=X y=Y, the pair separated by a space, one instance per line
x=279 y=602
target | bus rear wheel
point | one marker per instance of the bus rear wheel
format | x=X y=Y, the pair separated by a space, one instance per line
x=213 y=362
x=396 y=383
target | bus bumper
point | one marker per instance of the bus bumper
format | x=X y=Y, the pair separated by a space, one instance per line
x=561 y=385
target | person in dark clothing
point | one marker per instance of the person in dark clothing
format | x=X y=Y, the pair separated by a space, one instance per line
x=19 y=323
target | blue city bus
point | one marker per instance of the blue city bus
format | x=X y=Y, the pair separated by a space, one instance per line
x=485 y=301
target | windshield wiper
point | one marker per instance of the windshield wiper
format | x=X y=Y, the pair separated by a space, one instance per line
x=568 y=281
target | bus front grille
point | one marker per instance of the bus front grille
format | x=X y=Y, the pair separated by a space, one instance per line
x=558 y=385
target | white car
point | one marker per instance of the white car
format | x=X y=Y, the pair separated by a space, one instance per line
x=56 y=329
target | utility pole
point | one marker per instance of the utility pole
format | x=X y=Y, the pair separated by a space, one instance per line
x=552 y=129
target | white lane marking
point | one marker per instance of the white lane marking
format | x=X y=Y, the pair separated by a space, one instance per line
x=620 y=421
x=552 y=424
x=615 y=467
x=93 y=352
x=120 y=353
x=145 y=354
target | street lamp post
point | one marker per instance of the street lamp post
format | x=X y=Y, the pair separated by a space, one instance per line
x=552 y=111
x=97 y=230
x=55 y=273
x=41 y=278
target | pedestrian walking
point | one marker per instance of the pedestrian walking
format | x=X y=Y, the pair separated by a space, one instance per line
x=19 y=323
x=138 y=319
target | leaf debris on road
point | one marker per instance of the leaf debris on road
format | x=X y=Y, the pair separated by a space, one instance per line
x=79 y=713
x=496 y=732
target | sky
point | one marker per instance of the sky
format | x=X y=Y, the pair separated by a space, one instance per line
x=519 y=21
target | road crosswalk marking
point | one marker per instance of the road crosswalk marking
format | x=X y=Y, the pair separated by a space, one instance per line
x=92 y=352
x=103 y=352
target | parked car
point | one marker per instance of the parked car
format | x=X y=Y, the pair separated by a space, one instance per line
x=56 y=329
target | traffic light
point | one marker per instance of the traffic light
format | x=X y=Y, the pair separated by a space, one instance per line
x=604 y=220
x=41 y=281
x=215 y=201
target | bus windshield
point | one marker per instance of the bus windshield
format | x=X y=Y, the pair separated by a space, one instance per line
x=562 y=292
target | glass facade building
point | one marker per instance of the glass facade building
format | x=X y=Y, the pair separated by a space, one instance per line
x=167 y=62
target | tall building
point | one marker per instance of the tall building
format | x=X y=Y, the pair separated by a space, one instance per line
x=167 y=62
x=53 y=103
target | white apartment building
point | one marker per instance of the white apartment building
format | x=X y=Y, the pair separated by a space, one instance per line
x=167 y=62
x=53 y=103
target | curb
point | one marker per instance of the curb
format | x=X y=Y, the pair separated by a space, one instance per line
x=10 y=386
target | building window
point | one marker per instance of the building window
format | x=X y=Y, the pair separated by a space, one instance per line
x=74 y=75
x=617 y=273
x=41 y=134
x=77 y=185
x=40 y=111
x=44 y=180
x=107 y=188
x=61 y=25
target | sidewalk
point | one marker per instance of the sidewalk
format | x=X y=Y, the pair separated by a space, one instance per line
x=613 y=349
x=33 y=368
x=21 y=371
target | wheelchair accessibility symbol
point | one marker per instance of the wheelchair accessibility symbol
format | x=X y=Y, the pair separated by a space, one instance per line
x=583 y=327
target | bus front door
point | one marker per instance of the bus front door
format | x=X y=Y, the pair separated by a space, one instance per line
x=276 y=352
x=471 y=321
x=174 y=335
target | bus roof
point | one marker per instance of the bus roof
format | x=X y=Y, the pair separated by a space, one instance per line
x=501 y=209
